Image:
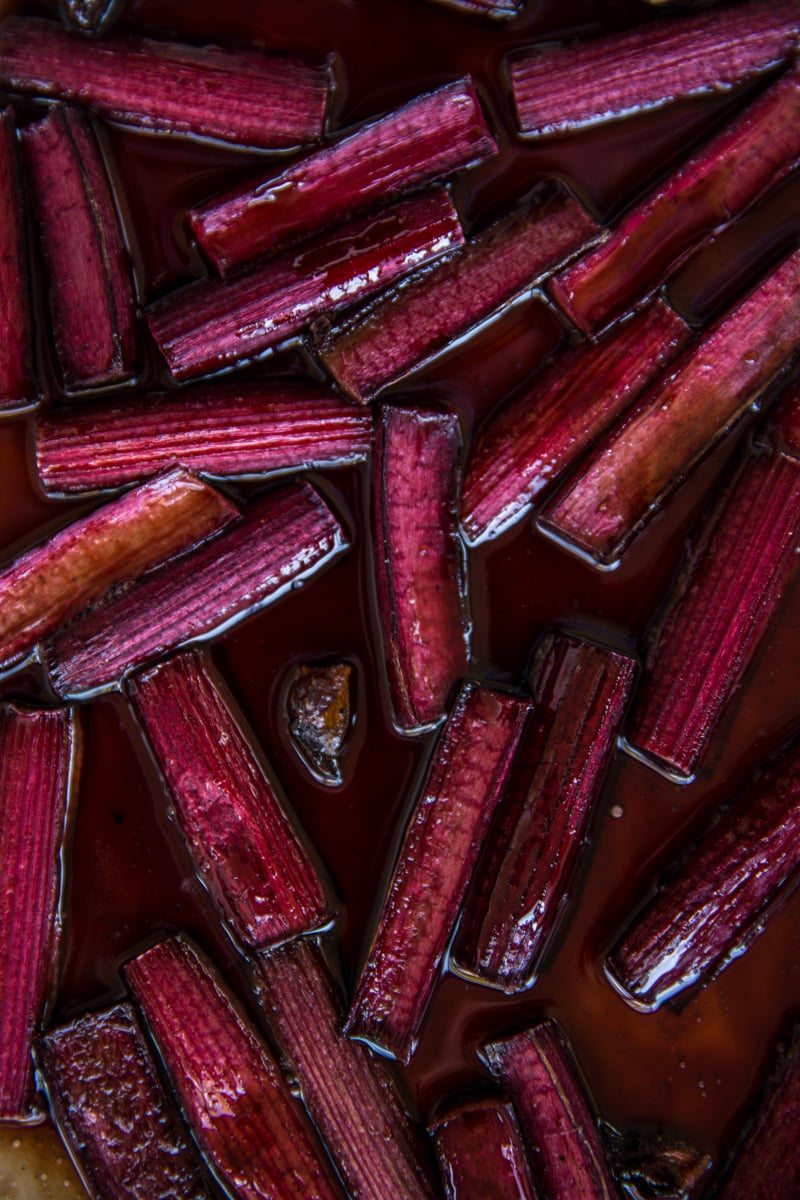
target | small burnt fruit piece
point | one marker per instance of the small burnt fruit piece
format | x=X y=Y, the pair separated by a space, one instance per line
x=499 y=10
x=481 y=1152
x=319 y=713
x=657 y=1166
x=17 y=387
x=89 y=16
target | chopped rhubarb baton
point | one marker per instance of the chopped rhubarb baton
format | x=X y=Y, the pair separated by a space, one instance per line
x=17 y=387
x=481 y=1152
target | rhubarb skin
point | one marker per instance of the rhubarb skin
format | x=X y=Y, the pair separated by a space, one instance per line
x=284 y=538
x=410 y=324
x=561 y=90
x=250 y=430
x=427 y=139
x=90 y=289
x=518 y=896
x=713 y=186
x=347 y=1089
x=481 y=1152
x=38 y=756
x=251 y=1130
x=17 y=387
x=448 y=824
x=243 y=97
x=532 y=440
x=112 y=1108
x=211 y=325
x=647 y=455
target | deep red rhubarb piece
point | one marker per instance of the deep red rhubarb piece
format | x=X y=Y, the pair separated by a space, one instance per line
x=556 y=91
x=285 y=537
x=481 y=1152
x=347 y=1089
x=401 y=330
x=244 y=97
x=37 y=760
x=17 y=387
x=450 y=819
x=89 y=280
x=242 y=1114
x=112 y=1108
x=211 y=325
x=427 y=139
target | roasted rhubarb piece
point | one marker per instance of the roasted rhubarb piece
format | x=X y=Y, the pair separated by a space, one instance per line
x=283 y=538
x=16 y=369
x=481 y=1152
x=518 y=894
x=410 y=324
x=447 y=827
x=245 y=1120
x=568 y=1159
x=556 y=91
x=533 y=439
x=112 y=1107
x=347 y=1089
x=647 y=454
x=320 y=714
x=426 y=139
x=210 y=325
x=223 y=430
x=244 y=97
x=37 y=751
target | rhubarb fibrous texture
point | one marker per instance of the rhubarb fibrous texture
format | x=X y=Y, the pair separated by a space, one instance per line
x=281 y=539
x=481 y=1152
x=410 y=324
x=111 y=1106
x=536 y=1068
x=650 y=451
x=451 y=815
x=560 y=90
x=242 y=1114
x=17 y=386
x=37 y=749
x=347 y=1089
x=211 y=325
x=92 y=304
x=425 y=140
x=320 y=712
x=244 y=97
x=533 y=439
x=518 y=896
x=222 y=430
x=713 y=186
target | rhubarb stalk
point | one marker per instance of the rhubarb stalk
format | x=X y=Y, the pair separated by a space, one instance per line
x=17 y=387
x=481 y=1152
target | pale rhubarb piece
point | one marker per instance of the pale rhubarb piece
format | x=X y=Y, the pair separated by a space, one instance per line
x=239 y=1108
x=285 y=537
x=347 y=1089
x=37 y=760
x=451 y=816
x=17 y=387
x=427 y=139
x=243 y=97
x=247 y=851
x=113 y=1110
x=530 y=441
x=47 y=585
x=559 y=90
x=210 y=325
x=649 y=452
x=92 y=304
x=320 y=714
x=567 y=1156
x=401 y=330
x=481 y=1152
x=518 y=895
x=224 y=430
x=718 y=182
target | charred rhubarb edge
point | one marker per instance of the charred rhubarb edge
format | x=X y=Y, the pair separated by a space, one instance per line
x=425 y=140
x=111 y=1106
x=560 y=90
x=553 y=1110
x=37 y=751
x=267 y=102
x=347 y=1089
x=522 y=882
x=242 y=1115
x=532 y=440
x=413 y=322
x=481 y=1151
x=451 y=815
x=221 y=430
x=211 y=325
x=90 y=289
x=647 y=454
x=287 y=536
x=17 y=387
